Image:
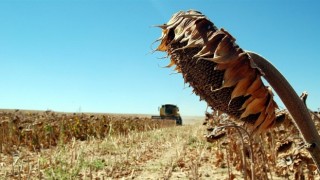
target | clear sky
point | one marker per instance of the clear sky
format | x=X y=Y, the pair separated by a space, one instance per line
x=94 y=56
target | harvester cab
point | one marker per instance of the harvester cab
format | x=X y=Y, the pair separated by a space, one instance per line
x=169 y=111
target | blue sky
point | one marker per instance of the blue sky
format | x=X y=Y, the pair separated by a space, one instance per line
x=94 y=56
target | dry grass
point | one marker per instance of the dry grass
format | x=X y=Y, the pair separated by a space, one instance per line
x=150 y=152
x=133 y=147
x=42 y=130
x=55 y=145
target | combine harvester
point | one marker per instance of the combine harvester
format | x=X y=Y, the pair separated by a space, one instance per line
x=169 y=112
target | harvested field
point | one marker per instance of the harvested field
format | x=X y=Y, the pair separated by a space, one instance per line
x=148 y=151
x=88 y=146
x=38 y=130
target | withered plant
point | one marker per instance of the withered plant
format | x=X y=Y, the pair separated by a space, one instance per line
x=229 y=80
x=42 y=130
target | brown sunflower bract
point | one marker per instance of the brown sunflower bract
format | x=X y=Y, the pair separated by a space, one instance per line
x=220 y=72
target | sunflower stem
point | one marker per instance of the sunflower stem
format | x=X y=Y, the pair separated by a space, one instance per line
x=296 y=107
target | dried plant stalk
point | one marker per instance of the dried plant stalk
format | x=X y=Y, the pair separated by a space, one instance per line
x=296 y=107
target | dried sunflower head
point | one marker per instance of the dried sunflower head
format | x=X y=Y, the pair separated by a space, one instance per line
x=219 y=71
